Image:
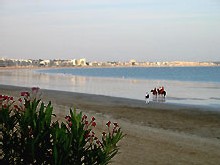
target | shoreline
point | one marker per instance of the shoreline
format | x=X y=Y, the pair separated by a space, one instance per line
x=161 y=104
x=157 y=133
x=124 y=108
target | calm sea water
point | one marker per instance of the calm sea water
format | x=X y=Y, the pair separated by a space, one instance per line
x=184 y=85
x=199 y=74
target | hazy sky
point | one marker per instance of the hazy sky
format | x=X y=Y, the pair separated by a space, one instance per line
x=110 y=30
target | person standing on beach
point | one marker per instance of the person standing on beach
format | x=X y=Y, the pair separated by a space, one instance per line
x=147 y=98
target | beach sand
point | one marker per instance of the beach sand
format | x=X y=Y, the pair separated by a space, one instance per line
x=156 y=133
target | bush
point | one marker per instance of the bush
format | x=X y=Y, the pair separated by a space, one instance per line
x=31 y=137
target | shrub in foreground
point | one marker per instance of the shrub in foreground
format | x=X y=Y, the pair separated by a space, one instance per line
x=29 y=136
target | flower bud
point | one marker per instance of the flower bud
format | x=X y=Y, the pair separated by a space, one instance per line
x=93 y=118
x=93 y=124
x=108 y=123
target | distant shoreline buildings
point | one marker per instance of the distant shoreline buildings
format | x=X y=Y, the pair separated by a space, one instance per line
x=83 y=63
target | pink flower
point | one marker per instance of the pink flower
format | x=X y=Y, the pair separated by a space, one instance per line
x=93 y=124
x=108 y=123
x=5 y=97
x=35 y=89
x=93 y=118
x=26 y=94
x=68 y=118
x=16 y=107
x=20 y=100
x=84 y=117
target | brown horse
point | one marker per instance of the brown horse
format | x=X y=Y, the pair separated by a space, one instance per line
x=154 y=92
x=159 y=91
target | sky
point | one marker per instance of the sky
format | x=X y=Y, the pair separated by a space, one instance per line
x=110 y=30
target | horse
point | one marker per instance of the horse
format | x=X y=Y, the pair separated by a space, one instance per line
x=162 y=92
x=159 y=91
x=154 y=92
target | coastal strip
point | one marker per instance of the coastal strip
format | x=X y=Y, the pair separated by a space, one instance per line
x=157 y=133
x=33 y=63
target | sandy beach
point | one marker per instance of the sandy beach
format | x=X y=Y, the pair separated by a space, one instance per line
x=157 y=133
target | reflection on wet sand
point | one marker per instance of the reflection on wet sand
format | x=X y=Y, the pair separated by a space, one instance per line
x=177 y=91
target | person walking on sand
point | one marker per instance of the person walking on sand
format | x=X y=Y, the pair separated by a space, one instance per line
x=147 y=98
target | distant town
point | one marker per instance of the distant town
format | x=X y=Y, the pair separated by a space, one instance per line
x=83 y=63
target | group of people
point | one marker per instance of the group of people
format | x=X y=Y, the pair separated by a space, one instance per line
x=159 y=91
x=155 y=92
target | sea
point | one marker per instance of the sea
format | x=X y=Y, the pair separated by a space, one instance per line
x=184 y=85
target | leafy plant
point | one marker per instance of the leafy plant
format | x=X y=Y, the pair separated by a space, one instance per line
x=30 y=136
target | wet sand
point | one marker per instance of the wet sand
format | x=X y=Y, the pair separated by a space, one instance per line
x=157 y=133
